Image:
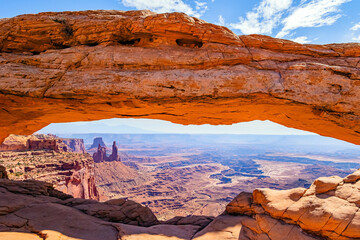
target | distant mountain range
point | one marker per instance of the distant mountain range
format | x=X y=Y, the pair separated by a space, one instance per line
x=144 y=126
x=258 y=143
x=98 y=127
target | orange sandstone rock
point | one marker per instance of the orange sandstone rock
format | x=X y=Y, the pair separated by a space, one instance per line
x=329 y=209
x=76 y=66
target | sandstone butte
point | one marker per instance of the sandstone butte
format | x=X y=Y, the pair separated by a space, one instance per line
x=72 y=66
x=79 y=66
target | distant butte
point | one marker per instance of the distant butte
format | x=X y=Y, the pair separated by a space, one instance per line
x=90 y=65
x=100 y=154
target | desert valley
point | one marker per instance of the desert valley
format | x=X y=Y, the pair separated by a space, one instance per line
x=176 y=174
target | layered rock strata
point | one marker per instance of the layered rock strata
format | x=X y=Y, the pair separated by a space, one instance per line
x=91 y=65
x=46 y=158
x=71 y=173
x=330 y=208
x=35 y=210
x=42 y=142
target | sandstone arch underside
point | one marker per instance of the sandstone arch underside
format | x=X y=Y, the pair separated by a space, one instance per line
x=80 y=66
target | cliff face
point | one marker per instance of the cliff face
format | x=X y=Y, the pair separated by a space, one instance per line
x=70 y=172
x=42 y=142
x=93 y=65
x=76 y=145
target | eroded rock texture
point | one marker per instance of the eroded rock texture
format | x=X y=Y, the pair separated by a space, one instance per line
x=329 y=209
x=36 y=209
x=92 y=65
x=47 y=158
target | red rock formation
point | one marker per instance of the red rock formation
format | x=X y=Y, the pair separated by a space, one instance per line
x=91 y=65
x=42 y=142
x=114 y=156
x=48 y=158
x=71 y=173
x=75 y=145
x=34 y=206
x=100 y=154
x=330 y=208
x=46 y=144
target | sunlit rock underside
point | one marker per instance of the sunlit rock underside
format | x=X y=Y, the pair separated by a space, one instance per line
x=72 y=66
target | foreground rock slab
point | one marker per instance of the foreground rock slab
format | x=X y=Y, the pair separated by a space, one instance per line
x=330 y=208
x=35 y=210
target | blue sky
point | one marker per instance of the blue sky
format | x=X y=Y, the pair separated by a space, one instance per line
x=131 y=125
x=305 y=21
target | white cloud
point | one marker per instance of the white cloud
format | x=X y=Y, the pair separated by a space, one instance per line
x=302 y=40
x=355 y=27
x=356 y=39
x=315 y=13
x=221 y=21
x=263 y=18
x=201 y=8
x=162 y=6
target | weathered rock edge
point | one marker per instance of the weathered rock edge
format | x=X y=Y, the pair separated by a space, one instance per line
x=328 y=209
x=73 y=66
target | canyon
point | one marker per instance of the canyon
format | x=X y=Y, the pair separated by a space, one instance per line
x=199 y=174
x=48 y=158
x=81 y=66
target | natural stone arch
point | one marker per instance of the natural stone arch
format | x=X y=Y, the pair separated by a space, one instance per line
x=74 y=66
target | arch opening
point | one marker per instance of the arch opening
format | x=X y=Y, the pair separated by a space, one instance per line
x=178 y=170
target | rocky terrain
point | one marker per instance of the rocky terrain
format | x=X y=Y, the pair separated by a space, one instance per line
x=90 y=65
x=70 y=172
x=329 y=209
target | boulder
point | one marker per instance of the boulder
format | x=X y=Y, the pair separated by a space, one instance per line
x=328 y=209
